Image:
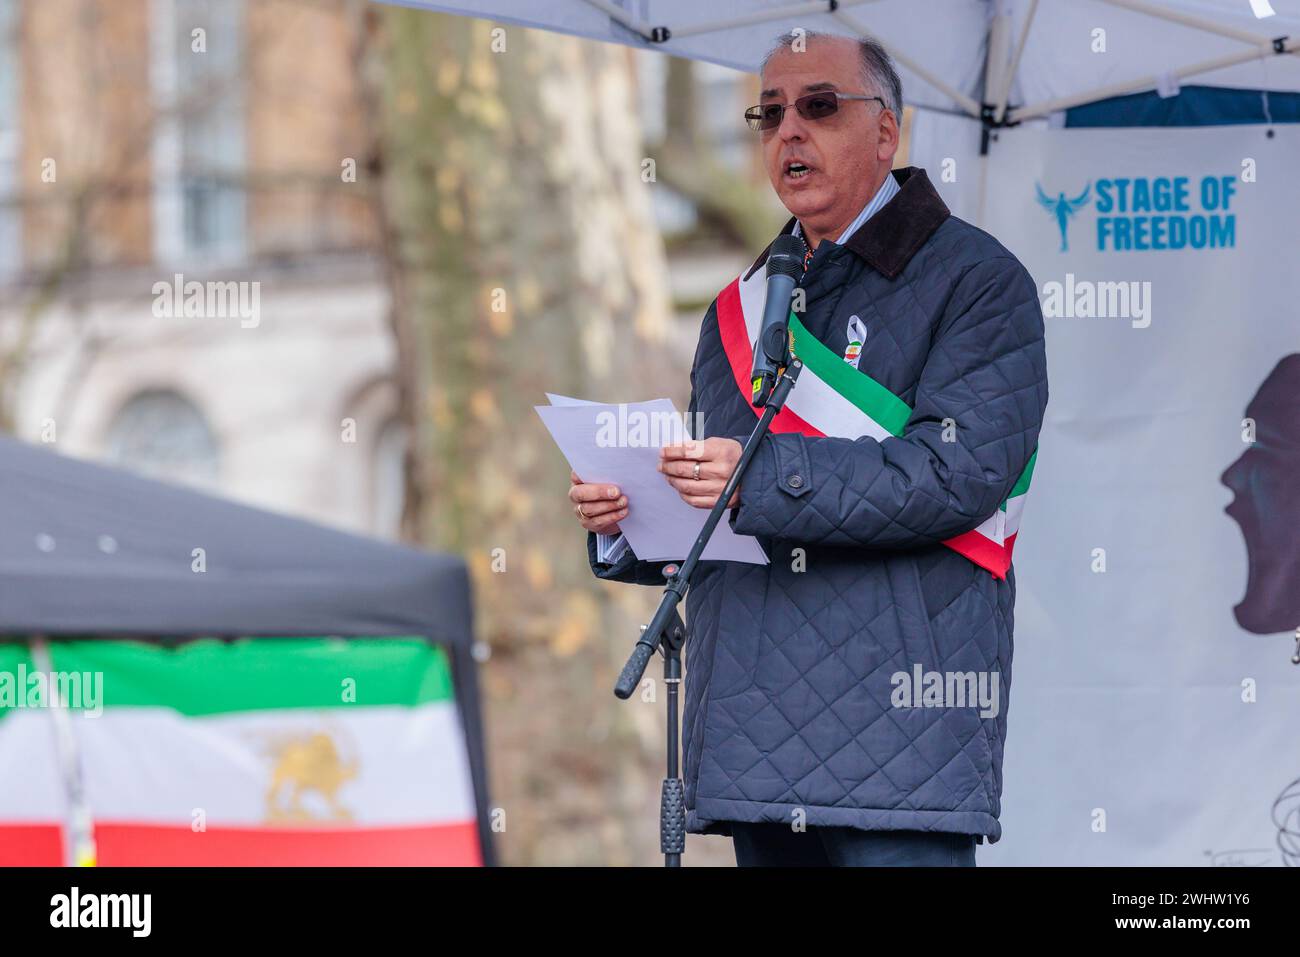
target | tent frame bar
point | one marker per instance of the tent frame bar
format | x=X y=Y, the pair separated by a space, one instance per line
x=836 y=8
x=623 y=18
x=766 y=16
x=968 y=104
x=1000 y=108
x=1187 y=20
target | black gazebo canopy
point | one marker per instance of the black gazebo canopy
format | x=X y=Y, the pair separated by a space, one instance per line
x=89 y=550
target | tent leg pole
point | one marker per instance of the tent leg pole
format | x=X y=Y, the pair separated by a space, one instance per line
x=80 y=849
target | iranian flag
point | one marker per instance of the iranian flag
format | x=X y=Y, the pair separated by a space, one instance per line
x=295 y=751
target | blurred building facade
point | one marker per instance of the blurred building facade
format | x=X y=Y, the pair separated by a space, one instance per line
x=149 y=144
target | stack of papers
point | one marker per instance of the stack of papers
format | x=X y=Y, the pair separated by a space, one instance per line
x=619 y=444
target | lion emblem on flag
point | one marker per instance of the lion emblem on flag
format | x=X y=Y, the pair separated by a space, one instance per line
x=307 y=773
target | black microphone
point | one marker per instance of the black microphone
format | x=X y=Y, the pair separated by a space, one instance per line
x=771 y=350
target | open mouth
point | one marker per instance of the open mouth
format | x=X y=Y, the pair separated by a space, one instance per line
x=797 y=170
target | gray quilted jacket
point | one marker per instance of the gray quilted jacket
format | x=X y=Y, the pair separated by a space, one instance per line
x=794 y=705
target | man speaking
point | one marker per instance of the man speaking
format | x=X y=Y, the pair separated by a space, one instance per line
x=847 y=703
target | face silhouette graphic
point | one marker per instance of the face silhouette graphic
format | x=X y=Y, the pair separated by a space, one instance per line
x=1265 y=481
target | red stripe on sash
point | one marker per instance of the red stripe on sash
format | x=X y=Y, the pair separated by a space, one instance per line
x=984 y=552
x=740 y=353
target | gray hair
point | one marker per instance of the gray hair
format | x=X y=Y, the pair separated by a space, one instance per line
x=878 y=72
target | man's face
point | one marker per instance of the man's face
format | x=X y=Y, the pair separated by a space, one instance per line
x=846 y=154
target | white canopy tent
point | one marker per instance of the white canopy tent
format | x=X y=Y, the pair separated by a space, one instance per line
x=1004 y=61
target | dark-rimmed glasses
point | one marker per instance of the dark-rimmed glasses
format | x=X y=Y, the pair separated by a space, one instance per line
x=813 y=106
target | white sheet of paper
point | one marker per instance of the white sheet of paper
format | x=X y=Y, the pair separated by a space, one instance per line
x=659 y=525
x=609 y=548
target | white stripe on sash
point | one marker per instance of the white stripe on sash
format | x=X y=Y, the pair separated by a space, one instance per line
x=1015 y=508
x=811 y=399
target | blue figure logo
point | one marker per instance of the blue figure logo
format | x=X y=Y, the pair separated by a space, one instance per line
x=1063 y=209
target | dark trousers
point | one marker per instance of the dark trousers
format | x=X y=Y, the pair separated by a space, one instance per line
x=779 y=845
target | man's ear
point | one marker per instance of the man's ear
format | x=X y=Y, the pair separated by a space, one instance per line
x=891 y=133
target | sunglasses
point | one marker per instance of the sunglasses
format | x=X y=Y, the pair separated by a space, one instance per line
x=814 y=106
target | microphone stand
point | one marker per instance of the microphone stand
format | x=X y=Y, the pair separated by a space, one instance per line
x=666 y=632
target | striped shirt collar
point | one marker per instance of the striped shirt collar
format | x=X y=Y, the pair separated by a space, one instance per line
x=888 y=190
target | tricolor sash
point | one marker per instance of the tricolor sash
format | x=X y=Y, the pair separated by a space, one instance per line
x=832 y=398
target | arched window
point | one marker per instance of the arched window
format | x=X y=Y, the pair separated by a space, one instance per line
x=162 y=434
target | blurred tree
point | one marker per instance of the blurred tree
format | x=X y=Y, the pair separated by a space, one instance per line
x=724 y=199
x=682 y=122
x=513 y=201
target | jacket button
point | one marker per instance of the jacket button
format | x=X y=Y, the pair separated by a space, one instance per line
x=795 y=481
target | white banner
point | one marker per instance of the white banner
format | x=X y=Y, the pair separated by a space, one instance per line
x=1155 y=712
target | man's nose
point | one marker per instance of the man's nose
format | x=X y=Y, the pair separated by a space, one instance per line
x=792 y=126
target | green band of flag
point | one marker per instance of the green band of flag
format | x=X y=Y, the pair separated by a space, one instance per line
x=209 y=676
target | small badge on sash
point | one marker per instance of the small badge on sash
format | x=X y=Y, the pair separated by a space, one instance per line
x=857 y=333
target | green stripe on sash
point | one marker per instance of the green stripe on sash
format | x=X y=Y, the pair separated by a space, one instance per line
x=877 y=402
x=1022 y=486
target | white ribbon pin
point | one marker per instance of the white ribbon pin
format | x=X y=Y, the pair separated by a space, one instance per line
x=857 y=333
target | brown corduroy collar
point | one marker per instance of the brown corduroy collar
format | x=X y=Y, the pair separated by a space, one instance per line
x=890 y=238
